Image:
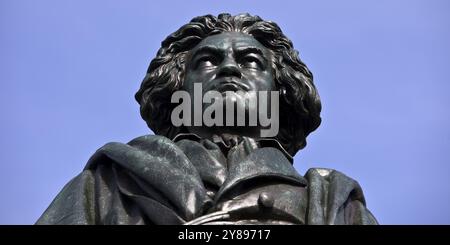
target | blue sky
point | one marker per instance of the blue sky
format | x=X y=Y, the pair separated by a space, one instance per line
x=69 y=71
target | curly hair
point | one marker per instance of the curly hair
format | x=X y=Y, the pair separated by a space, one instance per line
x=299 y=104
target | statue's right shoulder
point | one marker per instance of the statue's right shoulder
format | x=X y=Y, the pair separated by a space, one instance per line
x=149 y=138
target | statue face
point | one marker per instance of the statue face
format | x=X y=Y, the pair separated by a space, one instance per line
x=230 y=61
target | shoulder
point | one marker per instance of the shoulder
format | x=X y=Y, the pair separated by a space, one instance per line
x=334 y=181
x=332 y=176
x=119 y=152
x=335 y=198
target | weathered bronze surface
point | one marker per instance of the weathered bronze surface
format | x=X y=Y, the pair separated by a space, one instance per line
x=215 y=175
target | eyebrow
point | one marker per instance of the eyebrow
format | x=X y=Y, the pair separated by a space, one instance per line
x=206 y=49
x=251 y=50
x=248 y=50
x=239 y=51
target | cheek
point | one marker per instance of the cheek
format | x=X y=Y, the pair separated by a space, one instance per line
x=190 y=78
x=199 y=76
x=264 y=82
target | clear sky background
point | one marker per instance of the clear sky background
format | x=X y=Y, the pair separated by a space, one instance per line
x=69 y=71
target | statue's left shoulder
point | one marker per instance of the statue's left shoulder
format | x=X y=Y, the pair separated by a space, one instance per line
x=335 y=198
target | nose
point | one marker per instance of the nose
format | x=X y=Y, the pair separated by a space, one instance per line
x=229 y=68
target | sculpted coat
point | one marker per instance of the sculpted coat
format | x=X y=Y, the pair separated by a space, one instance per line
x=153 y=180
x=218 y=174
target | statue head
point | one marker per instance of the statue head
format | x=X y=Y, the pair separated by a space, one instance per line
x=245 y=47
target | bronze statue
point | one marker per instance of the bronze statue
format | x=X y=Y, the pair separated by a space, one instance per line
x=220 y=174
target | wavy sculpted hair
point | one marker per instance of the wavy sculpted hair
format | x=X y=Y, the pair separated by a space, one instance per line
x=299 y=103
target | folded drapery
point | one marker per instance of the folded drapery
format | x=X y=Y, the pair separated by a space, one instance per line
x=154 y=180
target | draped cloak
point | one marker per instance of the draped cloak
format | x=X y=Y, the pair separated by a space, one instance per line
x=155 y=180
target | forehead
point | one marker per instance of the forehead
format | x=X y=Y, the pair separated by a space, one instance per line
x=230 y=40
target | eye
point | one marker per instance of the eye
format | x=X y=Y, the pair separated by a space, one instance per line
x=251 y=62
x=206 y=62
